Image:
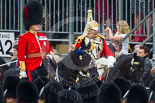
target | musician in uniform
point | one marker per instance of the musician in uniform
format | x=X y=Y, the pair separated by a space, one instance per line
x=33 y=46
x=100 y=47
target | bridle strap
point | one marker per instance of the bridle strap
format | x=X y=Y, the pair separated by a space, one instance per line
x=133 y=63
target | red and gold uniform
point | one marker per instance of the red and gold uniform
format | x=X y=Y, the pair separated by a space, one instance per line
x=100 y=46
x=32 y=48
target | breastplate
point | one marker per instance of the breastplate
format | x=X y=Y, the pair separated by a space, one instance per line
x=98 y=43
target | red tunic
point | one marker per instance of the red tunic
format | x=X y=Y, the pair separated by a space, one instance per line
x=28 y=44
x=106 y=51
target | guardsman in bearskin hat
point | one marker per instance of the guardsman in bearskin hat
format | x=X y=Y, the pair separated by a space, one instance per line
x=26 y=92
x=100 y=46
x=52 y=92
x=9 y=89
x=123 y=84
x=109 y=93
x=40 y=83
x=137 y=94
x=70 y=96
x=33 y=46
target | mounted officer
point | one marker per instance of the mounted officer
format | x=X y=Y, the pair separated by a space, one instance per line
x=99 y=45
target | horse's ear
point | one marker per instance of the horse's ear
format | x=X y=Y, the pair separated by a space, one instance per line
x=139 y=59
x=85 y=44
x=135 y=55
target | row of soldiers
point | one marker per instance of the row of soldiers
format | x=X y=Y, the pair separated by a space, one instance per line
x=43 y=90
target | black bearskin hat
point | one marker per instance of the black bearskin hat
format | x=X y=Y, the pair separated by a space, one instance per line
x=88 y=90
x=123 y=84
x=152 y=89
x=32 y=13
x=69 y=82
x=69 y=96
x=27 y=92
x=137 y=94
x=40 y=83
x=51 y=92
x=9 y=86
x=109 y=93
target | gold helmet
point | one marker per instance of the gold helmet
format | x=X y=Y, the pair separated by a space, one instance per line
x=92 y=25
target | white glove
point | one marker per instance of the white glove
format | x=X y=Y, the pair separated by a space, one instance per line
x=50 y=56
x=23 y=74
x=110 y=64
x=111 y=61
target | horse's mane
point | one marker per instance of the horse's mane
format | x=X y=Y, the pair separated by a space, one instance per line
x=123 y=60
x=128 y=66
x=120 y=57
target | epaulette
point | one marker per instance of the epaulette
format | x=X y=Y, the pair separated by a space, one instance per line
x=101 y=36
x=82 y=37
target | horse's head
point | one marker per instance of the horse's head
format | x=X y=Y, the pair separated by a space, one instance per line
x=129 y=67
x=82 y=56
x=136 y=69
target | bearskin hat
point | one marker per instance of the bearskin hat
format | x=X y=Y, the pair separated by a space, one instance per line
x=9 y=86
x=40 y=83
x=152 y=90
x=152 y=85
x=69 y=96
x=32 y=13
x=27 y=92
x=69 y=82
x=109 y=93
x=137 y=94
x=88 y=90
x=11 y=72
x=51 y=92
x=123 y=84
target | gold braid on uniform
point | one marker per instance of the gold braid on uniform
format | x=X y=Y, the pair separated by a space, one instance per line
x=79 y=38
x=92 y=45
x=101 y=36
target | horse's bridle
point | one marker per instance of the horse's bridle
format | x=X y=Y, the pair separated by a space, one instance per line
x=132 y=70
x=92 y=62
x=88 y=51
x=132 y=64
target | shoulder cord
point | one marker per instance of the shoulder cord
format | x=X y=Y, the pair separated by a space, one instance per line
x=38 y=42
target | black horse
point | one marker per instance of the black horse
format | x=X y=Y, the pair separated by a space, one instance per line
x=78 y=63
x=129 y=67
